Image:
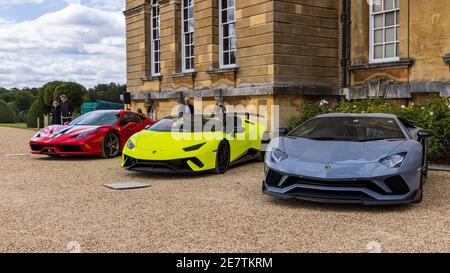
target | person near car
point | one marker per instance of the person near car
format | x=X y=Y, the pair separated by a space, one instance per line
x=66 y=109
x=56 y=113
x=186 y=108
x=139 y=111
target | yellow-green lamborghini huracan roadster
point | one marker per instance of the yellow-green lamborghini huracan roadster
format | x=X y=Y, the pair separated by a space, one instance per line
x=192 y=144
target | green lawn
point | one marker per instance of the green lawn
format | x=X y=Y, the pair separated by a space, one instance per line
x=14 y=125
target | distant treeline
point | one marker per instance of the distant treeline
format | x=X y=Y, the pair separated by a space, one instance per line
x=26 y=104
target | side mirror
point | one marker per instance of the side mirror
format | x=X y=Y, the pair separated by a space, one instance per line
x=425 y=134
x=130 y=125
x=283 y=131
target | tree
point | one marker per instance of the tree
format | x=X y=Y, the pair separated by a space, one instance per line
x=23 y=99
x=47 y=92
x=74 y=91
x=6 y=95
x=107 y=92
x=7 y=114
x=37 y=110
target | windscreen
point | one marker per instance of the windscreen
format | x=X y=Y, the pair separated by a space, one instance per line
x=97 y=118
x=187 y=124
x=349 y=129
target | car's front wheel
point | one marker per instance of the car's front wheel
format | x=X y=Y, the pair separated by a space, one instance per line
x=423 y=178
x=419 y=195
x=264 y=144
x=111 y=146
x=222 y=158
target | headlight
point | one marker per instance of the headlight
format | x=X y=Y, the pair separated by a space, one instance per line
x=393 y=161
x=85 y=134
x=130 y=145
x=276 y=155
x=193 y=148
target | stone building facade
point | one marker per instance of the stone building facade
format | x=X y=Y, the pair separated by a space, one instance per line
x=399 y=49
x=284 y=52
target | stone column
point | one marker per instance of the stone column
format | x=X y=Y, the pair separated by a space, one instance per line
x=360 y=31
x=206 y=40
x=137 y=16
x=170 y=12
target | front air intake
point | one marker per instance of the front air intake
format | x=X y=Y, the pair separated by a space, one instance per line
x=397 y=185
x=273 y=178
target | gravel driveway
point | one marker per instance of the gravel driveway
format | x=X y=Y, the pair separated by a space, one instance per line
x=49 y=205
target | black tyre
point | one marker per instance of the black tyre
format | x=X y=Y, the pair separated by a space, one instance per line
x=264 y=144
x=111 y=146
x=419 y=195
x=261 y=156
x=423 y=178
x=222 y=158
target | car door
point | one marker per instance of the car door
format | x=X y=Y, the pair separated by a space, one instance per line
x=130 y=124
x=237 y=136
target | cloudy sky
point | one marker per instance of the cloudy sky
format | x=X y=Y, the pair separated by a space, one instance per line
x=70 y=40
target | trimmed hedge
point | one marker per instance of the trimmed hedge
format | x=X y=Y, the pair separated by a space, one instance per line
x=433 y=114
x=7 y=114
x=37 y=109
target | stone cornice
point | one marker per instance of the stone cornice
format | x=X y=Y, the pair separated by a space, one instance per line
x=228 y=70
x=151 y=78
x=137 y=10
x=184 y=75
x=263 y=90
x=403 y=63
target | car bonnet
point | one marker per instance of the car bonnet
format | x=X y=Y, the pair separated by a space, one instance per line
x=338 y=152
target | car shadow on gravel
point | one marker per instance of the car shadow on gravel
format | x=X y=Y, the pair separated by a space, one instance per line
x=69 y=158
x=170 y=176
x=188 y=176
x=316 y=206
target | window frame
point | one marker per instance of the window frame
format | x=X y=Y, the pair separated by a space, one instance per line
x=222 y=38
x=153 y=50
x=184 y=32
x=372 y=29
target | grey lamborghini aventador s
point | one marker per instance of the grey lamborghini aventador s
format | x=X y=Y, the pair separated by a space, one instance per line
x=349 y=158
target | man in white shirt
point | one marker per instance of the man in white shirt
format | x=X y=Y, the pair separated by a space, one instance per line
x=187 y=108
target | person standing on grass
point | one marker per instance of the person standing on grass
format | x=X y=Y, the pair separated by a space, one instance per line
x=56 y=113
x=66 y=109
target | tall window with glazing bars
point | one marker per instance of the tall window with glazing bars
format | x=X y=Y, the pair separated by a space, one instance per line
x=384 y=30
x=155 y=40
x=227 y=33
x=188 y=35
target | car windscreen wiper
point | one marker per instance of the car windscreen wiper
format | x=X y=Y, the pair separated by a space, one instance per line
x=327 y=139
x=378 y=139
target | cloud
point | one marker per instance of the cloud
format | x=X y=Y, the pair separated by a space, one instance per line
x=80 y=43
x=4 y=21
x=20 y=2
x=112 y=5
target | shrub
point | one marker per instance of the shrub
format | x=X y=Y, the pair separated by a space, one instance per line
x=7 y=114
x=37 y=110
x=433 y=114
x=14 y=108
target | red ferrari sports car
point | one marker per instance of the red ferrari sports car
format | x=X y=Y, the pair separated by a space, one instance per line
x=101 y=133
